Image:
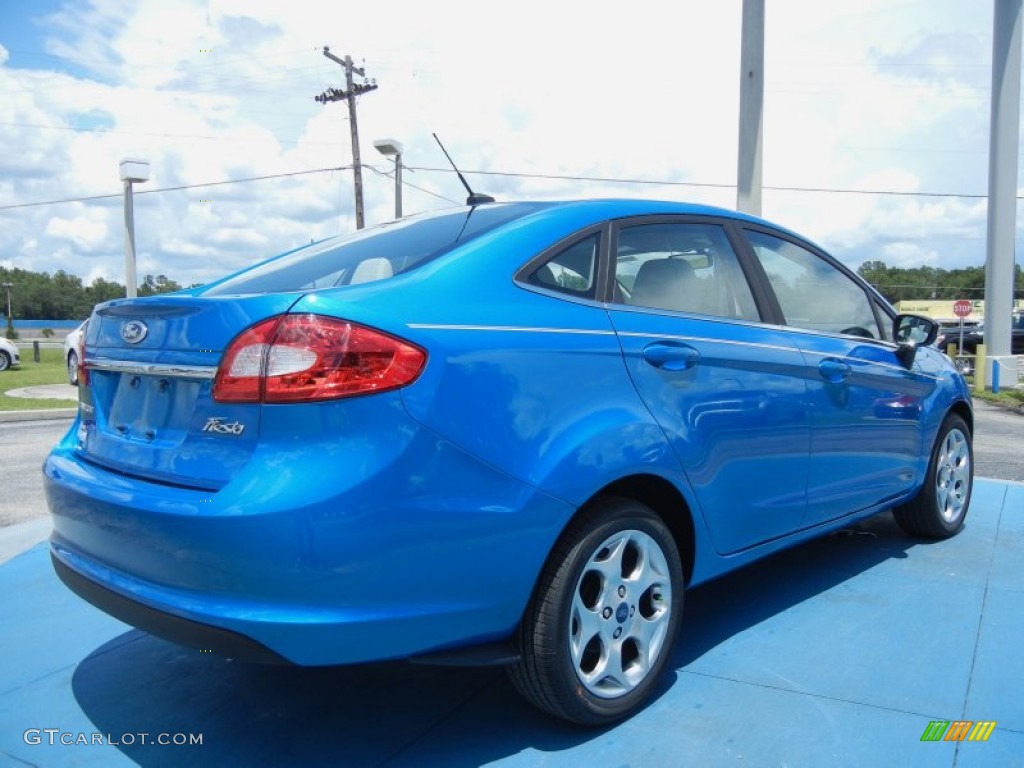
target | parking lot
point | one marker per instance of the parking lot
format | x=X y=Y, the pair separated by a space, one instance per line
x=840 y=651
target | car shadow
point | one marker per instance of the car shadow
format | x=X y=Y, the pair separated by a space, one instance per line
x=717 y=610
x=397 y=712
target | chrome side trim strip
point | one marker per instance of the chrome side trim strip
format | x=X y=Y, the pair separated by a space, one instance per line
x=878 y=363
x=701 y=339
x=507 y=328
x=153 y=369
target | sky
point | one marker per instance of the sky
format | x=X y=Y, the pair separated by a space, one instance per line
x=618 y=99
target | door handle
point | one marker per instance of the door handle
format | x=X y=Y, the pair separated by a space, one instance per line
x=833 y=370
x=671 y=356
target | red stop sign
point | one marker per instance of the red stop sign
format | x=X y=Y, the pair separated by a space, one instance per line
x=962 y=308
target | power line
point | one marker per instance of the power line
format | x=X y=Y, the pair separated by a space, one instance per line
x=710 y=185
x=603 y=179
x=413 y=186
x=175 y=189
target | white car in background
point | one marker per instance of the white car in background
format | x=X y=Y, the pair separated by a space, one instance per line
x=9 y=354
x=72 y=343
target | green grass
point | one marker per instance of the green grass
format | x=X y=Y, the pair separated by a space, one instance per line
x=1014 y=397
x=49 y=370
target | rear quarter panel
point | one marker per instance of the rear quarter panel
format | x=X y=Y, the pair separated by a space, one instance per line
x=532 y=384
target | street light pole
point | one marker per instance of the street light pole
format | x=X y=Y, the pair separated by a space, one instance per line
x=392 y=148
x=131 y=280
x=398 y=185
x=11 y=333
x=132 y=170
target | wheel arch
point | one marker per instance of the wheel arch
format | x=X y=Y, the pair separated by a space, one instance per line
x=964 y=411
x=668 y=502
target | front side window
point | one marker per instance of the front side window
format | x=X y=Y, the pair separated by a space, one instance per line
x=814 y=294
x=681 y=267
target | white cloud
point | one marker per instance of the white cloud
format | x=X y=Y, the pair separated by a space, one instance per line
x=86 y=233
x=866 y=94
x=909 y=255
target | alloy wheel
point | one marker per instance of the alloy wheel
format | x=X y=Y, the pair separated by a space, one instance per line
x=620 y=616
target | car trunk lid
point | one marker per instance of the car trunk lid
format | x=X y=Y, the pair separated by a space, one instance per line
x=146 y=401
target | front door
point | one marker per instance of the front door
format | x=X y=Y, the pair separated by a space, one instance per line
x=866 y=407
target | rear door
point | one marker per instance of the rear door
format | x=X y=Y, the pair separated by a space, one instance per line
x=146 y=397
x=866 y=407
x=728 y=391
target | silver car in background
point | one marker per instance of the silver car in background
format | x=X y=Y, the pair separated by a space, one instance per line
x=72 y=345
x=9 y=354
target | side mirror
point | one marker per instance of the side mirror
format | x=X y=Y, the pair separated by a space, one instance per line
x=911 y=332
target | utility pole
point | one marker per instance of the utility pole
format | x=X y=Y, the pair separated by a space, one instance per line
x=352 y=89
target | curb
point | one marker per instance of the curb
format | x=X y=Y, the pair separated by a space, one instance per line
x=39 y=415
x=1003 y=405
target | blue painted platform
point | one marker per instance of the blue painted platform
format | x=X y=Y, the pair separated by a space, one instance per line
x=839 y=652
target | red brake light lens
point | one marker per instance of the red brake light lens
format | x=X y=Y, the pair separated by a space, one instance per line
x=83 y=372
x=305 y=358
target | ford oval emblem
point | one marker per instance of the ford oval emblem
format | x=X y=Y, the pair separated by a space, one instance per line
x=134 y=331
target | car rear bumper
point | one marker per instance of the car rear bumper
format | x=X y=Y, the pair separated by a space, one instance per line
x=319 y=556
x=181 y=631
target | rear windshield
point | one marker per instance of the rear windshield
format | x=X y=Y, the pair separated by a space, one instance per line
x=371 y=254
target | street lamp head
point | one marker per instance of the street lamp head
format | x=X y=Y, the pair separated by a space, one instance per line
x=388 y=147
x=133 y=169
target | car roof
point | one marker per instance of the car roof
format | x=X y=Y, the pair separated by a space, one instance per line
x=629 y=206
x=600 y=209
x=612 y=207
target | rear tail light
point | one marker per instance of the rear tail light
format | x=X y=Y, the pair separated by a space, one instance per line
x=83 y=372
x=304 y=358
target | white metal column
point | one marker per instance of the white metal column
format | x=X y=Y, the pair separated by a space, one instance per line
x=748 y=170
x=1002 y=175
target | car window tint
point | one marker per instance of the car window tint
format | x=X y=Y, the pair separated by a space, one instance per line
x=572 y=270
x=371 y=254
x=813 y=294
x=683 y=267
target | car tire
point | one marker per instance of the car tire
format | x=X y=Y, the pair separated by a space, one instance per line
x=939 y=509
x=604 y=615
x=5 y=361
x=73 y=368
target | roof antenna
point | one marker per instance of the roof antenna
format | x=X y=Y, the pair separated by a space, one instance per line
x=474 y=197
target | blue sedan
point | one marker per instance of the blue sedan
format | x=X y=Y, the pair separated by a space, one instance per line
x=507 y=433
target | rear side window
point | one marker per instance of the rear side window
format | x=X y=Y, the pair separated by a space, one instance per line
x=371 y=254
x=573 y=270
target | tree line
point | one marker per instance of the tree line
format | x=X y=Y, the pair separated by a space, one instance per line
x=920 y=283
x=61 y=296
